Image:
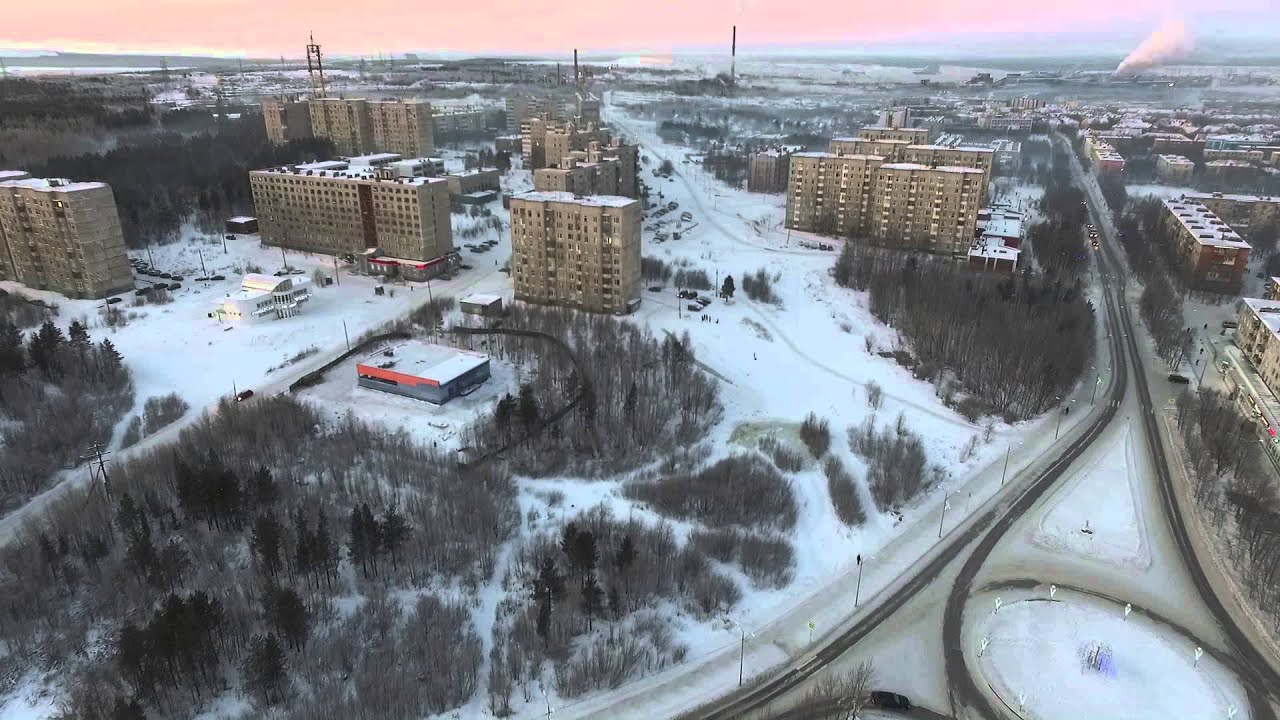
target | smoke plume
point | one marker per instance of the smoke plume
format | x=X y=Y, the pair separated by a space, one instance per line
x=1170 y=42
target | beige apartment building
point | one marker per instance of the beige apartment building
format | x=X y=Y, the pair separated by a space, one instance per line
x=332 y=208
x=346 y=123
x=767 y=171
x=1174 y=169
x=1215 y=257
x=889 y=149
x=62 y=236
x=470 y=181
x=520 y=109
x=903 y=151
x=902 y=204
x=1258 y=336
x=1240 y=211
x=402 y=126
x=544 y=143
x=286 y=119
x=578 y=252
x=915 y=136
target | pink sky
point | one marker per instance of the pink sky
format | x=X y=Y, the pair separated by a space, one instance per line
x=274 y=27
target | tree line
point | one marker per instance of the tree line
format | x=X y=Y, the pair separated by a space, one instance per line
x=59 y=393
x=1016 y=343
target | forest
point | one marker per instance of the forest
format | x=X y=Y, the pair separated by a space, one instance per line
x=59 y=394
x=1223 y=455
x=1014 y=344
x=175 y=178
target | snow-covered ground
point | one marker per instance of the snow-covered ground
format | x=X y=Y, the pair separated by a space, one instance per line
x=1164 y=192
x=1099 y=513
x=1037 y=662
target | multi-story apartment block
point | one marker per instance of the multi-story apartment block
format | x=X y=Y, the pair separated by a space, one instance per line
x=286 y=119
x=903 y=204
x=1174 y=169
x=888 y=149
x=1258 y=337
x=589 y=110
x=402 y=126
x=471 y=181
x=927 y=208
x=62 y=236
x=915 y=136
x=578 y=252
x=333 y=208
x=546 y=143
x=939 y=156
x=1214 y=256
x=1240 y=211
x=1104 y=156
x=520 y=109
x=1229 y=171
x=457 y=124
x=598 y=170
x=767 y=172
x=346 y=123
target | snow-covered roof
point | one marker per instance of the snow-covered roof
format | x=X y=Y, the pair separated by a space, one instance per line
x=52 y=184
x=1004 y=227
x=254 y=286
x=965 y=148
x=241 y=219
x=1267 y=311
x=1230 y=196
x=438 y=363
x=6 y=175
x=568 y=197
x=993 y=251
x=1176 y=160
x=374 y=158
x=1203 y=225
x=482 y=299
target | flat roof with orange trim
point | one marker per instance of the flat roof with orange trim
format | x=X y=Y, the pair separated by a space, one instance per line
x=418 y=363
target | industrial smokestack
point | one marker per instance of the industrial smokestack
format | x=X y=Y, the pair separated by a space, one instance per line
x=733 y=58
x=1170 y=41
x=577 y=79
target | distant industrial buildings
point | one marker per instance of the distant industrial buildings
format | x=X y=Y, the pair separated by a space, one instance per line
x=578 y=252
x=423 y=371
x=1214 y=256
x=335 y=207
x=62 y=236
x=264 y=297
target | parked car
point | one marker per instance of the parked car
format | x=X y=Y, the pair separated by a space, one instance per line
x=1229 y=324
x=888 y=700
x=142 y=291
x=464 y=266
x=655 y=288
x=694 y=307
x=160 y=286
x=218 y=277
x=175 y=277
x=1176 y=378
x=687 y=294
x=703 y=301
x=114 y=300
x=244 y=395
x=229 y=237
x=175 y=286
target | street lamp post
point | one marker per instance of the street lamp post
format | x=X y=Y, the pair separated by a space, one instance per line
x=942 y=519
x=1005 y=472
x=1058 y=428
x=857 y=591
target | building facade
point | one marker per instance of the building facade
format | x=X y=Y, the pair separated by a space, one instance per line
x=62 y=236
x=914 y=136
x=286 y=119
x=344 y=122
x=1258 y=336
x=1240 y=211
x=767 y=172
x=423 y=371
x=264 y=297
x=349 y=210
x=1174 y=169
x=471 y=181
x=1214 y=256
x=403 y=126
x=578 y=252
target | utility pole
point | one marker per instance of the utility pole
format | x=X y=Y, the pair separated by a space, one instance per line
x=1005 y=472
x=95 y=453
x=345 y=335
x=742 y=653
x=203 y=271
x=283 y=259
x=336 y=281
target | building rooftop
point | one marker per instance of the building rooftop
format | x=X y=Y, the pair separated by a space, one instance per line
x=1176 y=160
x=482 y=299
x=1267 y=311
x=436 y=363
x=374 y=158
x=568 y=197
x=1228 y=163
x=993 y=251
x=1204 y=226
x=966 y=148
x=6 y=175
x=343 y=171
x=241 y=218
x=1003 y=227
x=257 y=285
x=51 y=184
x=879 y=140
x=1229 y=196
x=885 y=127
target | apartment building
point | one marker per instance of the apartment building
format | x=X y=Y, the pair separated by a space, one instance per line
x=470 y=181
x=1214 y=255
x=62 y=236
x=346 y=123
x=927 y=208
x=578 y=252
x=520 y=109
x=458 y=124
x=1174 y=169
x=1104 y=156
x=1258 y=337
x=898 y=203
x=286 y=119
x=333 y=208
x=1229 y=171
x=402 y=126
x=890 y=149
x=1240 y=211
x=767 y=171
x=615 y=166
x=914 y=136
x=904 y=151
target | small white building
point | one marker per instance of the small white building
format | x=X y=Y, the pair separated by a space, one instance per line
x=264 y=297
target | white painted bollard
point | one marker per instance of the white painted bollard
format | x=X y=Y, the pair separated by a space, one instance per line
x=1128 y=608
x=986 y=643
x=1053 y=590
x=1199 y=654
x=999 y=602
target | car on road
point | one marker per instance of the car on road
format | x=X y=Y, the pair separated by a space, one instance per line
x=888 y=700
x=142 y=291
x=687 y=294
x=1095 y=244
x=229 y=237
x=464 y=266
x=1230 y=324
x=218 y=277
x=244 y=395
x=655 y=288
x=1180 y=379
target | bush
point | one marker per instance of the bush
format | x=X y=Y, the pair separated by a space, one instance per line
x=784 y=456
x=742 y=490
x=654 y=270
x=693 y=279
x=816 y=435
x=162 y=410
x=132 y=433
x=896 y=463
x=767 y=561
x=875 y=395
x=759 y=287
x=844 y=493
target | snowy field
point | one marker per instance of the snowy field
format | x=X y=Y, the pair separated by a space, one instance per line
x=1042 y=658
x=1099 y=513
x=1164 y=192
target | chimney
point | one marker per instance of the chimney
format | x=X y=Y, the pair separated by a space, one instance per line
x=577 y=78
x=733 y=58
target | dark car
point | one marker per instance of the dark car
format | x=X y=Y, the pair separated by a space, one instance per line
x=1180 y=379
x=176 y=277
x=142 y=291
x=229 y=237
x=174 y=286
x=114 y=300
x=695 y=307
x=160 y=286
x=244 y=395
x=218 y=277
x=166 y=276
x=655 y=288
x=888 y=700
x=687 y=294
